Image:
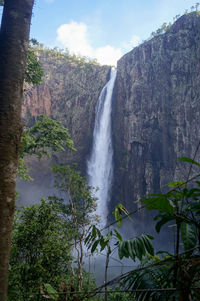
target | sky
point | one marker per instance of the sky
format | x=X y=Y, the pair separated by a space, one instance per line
x=101 y=29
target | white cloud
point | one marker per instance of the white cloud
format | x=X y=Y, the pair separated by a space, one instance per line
x=108 y=55
x=74 y=37
x=134 y=42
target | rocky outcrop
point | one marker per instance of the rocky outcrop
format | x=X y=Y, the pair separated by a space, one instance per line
x=156 y=111
x=68 y=93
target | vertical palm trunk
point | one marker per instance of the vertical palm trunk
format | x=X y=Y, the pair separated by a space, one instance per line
x=14 y=35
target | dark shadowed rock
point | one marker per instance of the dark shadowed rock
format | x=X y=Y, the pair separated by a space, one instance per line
x=156 y=111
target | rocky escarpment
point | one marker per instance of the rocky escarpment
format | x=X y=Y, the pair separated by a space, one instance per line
x=156 y=111
x=68 y=93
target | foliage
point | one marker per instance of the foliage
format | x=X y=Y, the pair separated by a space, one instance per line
x=151 y=275
x=180 y=206
x=42 y=242
x=44 y=135
x=162 y=29
x=43 y=138
x=96 y=239
x=135 y=248
x=68 y=291
x=34 y=72
x=64 y=55
x=118 y=295
x=119 y=210
x=79 y=193
x=80 y=208
x=41 y=249
x=1 y=2
x=23 y=170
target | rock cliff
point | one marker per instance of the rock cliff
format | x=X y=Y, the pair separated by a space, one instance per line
x=156 y=111
x=69 y=93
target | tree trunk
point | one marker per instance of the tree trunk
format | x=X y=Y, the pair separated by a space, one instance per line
x=14 y=36
x=106 y=272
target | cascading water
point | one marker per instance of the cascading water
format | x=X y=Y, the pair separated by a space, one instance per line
x=100 y=165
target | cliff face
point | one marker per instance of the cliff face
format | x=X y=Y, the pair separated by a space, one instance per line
x=156 y=111
x=68 y=93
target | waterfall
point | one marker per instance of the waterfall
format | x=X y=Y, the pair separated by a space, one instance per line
x=100 y=165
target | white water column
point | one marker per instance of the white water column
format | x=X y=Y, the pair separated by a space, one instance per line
x=100 y=164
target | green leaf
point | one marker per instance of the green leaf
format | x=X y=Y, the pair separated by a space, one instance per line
x=163 y=220
x=122 y=208
x=103 y=244
x=149 y=236
x=51 y=291
x=131 y=249
x=173 y=184
x=94 y=246
x=108 y=236
x=188 y=235
x=138 y=248
x=118 y=235
x=148 y=245
x=123 y=249
x=94 y=231
x=88 y=238
x=160 y=203
x=196 y=207
x=23 y=170
x=120 y=250
x=118 y=216
x=188 y=160
x=119 y=209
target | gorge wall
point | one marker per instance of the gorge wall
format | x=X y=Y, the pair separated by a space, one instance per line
x=68 y=93
x=156 y=111
x=156 y=108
